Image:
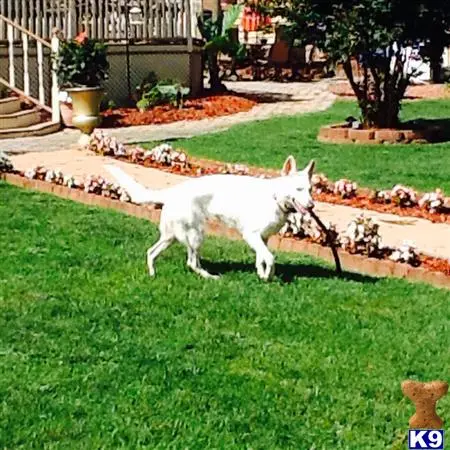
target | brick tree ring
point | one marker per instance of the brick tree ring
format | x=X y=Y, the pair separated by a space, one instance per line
x=343 y=133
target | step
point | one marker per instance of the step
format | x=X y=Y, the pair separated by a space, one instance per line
x=20 y=119
x=9 y=105
x=39 y=129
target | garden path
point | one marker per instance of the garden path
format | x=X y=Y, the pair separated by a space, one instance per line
x=282 y=99
x=431 y=238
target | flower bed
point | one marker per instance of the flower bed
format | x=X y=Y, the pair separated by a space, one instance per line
x=434 y=271
x=360 y=239
x=432 y=206
x=195 y=109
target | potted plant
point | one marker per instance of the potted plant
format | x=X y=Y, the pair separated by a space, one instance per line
x=82 y=67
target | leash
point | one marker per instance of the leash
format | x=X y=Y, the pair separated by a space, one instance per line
x=330 y=241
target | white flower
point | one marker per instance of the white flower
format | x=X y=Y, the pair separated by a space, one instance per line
x=362 y=236
x=345 y=188
x=406 y=253
x=31 y=173
x=123 y=196
x=320 y=183
x=121 y=150
x=432 y=201
x=302 y=225
x=50 y=176
x=103 y=144
x=59 y=177
x=136 y=154
x=236 y=169
x=5 y=163
x=69 y=181
x=382 y=196
x=403 y=196
x=165 y=154
x=93 y=184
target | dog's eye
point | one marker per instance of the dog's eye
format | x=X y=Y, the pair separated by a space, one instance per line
x=300 y=189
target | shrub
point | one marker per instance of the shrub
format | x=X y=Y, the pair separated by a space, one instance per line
x=161 y=93
x=81 y=62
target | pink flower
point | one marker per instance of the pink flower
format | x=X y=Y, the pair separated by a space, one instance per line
x=81 y=38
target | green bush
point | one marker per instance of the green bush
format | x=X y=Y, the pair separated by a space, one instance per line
x=81 y=62
x=162 y=92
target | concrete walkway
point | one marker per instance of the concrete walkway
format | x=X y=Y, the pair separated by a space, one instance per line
x=282 y=99
x=430 y=238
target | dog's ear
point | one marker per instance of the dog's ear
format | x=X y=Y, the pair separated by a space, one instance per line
x=289 y=167
x=309 y=169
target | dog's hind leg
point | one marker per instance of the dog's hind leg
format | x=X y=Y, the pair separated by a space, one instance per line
x=265 y=261
x=166 y=238
x=194 y=240
x=153 y=252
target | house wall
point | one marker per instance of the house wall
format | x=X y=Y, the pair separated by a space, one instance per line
x=211 y=5
x=167 y=61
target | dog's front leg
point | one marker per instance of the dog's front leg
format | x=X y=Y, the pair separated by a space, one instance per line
x=265 y=261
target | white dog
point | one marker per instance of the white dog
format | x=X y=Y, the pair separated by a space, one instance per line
x=256 y=207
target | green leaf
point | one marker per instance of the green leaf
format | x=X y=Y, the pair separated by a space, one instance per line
x=230 y=16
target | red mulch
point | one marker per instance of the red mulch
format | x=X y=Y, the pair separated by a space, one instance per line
x=195 y=109
x=426 y=91
x=435 y=264
x=365 y=202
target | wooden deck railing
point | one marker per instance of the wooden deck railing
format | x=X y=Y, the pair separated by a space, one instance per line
x=40 y=92
x=111 y=20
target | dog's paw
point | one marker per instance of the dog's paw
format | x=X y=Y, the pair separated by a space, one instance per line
x=215 y=277
x=210 y=276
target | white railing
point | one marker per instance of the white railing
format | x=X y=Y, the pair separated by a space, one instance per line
x=109 y=20
x=33 y=49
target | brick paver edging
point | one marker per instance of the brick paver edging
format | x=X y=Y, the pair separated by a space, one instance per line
x=350 y=263
x=342 y=134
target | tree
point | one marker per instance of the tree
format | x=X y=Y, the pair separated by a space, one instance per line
x=374 y=33
x=218 y=38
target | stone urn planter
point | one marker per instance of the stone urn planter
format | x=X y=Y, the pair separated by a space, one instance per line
x=86 y=107
x=81 y=65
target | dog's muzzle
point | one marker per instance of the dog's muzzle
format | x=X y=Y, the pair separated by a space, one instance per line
x=292 y=206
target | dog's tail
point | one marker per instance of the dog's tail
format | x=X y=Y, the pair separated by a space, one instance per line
x=138 y=193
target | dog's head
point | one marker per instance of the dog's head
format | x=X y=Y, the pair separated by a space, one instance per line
x=294 y=191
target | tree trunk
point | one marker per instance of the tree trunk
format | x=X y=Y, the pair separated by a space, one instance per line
x=214 y=76
x=436 y=70
x=436 y=49
x=379 y=93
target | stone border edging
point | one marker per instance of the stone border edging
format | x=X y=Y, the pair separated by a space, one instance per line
x=342 y=134
x=350 y=262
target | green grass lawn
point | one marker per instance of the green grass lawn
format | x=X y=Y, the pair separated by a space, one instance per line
x=268 y=143
x=94 y=354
